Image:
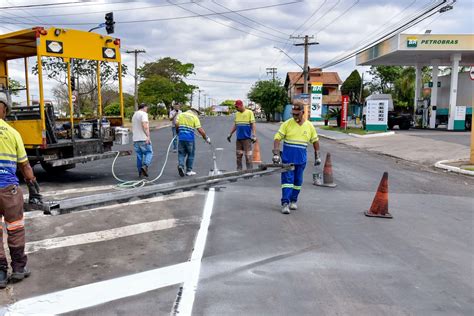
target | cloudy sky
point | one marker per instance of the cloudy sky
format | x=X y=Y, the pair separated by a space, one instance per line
x=233 y=42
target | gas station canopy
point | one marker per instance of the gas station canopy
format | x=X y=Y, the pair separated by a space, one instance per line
x=413 y=49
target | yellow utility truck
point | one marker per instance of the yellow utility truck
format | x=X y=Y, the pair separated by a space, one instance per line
x=54 y=142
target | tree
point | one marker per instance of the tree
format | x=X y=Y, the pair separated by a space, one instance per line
x=14 y=86
x=163 y=82
x=270 y=94
x=383 y=78
x=351 y=86
x=230 y=104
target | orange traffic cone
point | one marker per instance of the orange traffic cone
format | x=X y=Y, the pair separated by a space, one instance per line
x=256 y=153
x=328 y=180
x=379 y=207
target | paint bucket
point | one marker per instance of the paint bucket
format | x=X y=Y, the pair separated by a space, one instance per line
x=86 y=129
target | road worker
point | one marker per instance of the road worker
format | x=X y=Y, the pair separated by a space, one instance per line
x=245 y=126
x=296 y=133
x=186 y=124
x=13 y=155
x=142 y=140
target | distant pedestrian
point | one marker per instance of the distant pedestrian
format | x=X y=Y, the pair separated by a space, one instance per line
x=13 y=155
x=296 y=133
x=173 y=117
x=141 y=139
x=186 y=124
x=244 y=124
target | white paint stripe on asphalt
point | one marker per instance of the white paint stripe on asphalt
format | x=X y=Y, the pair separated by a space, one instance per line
x=180 y=195
x=185 y=304
x=101 y=292
x=76 y=190
x=99 y=236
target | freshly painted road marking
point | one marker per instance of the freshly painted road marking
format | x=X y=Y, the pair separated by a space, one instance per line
x=180 y=195
x=101 y=292
x=185 y=301
x=105 y=235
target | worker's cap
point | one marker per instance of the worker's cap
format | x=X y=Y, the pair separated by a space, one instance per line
x=142 y=105
x=239 y=103
x=298 y=106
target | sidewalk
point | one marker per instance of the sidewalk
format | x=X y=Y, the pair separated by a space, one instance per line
x=154 y=124
x=408 y=147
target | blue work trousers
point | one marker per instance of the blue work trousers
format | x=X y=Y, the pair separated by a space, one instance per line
x=175 y=142
x=144 y=153
x=186 y=152
x=291 y=182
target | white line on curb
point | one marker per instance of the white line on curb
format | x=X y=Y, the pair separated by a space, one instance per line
x=184 y=304
x=442 y=165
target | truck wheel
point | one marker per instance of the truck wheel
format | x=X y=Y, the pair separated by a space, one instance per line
x=390 y=126
x=404 y=125
x=59 y=169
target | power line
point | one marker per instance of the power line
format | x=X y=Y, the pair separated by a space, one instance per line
x=229 y=26
x=339 y=16
x=105 y=11
x=237 y=21
x=218 y=81
x=170 y=18
x=249 y=19
x=60 y=5
x=423 y=16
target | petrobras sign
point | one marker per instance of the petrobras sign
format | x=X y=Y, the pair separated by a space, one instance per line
x=412 y=42
x=316 y=99
x=436 y=42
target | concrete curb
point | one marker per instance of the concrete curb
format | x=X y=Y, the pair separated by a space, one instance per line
x=373 y=135
x=442 y=165
x=328 y=137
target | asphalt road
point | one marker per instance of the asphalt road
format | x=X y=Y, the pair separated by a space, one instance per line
x=326 y=258
x=458 y=137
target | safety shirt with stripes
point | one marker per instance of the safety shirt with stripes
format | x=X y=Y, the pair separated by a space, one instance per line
x=12 y=152
x=295 y=139
x=188 y=122
x=243 y=122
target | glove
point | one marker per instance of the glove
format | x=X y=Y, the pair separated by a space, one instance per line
x=317 y=158
x=229 y=137
x=276 y=156
x=34 y=192
x=253 y=139
x=208 y=140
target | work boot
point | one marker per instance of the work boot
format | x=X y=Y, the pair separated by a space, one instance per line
x=293 y=206
x=285 y=209
x=3 y=279
x=144 y=170
x=181 y=171
x=17 y=276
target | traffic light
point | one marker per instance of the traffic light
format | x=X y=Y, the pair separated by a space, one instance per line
x=73 y=83
x=109 y=22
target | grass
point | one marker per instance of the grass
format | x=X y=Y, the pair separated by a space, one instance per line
x=469 y=168
x=353 y=130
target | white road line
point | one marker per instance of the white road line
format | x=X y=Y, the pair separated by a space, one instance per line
x=180 y=195
x=101 y=292
x=99 y=236
x=76 y=190
x=184 y=304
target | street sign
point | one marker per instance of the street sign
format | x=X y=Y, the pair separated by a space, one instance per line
x=471 y=72
x=345 y=105
x=316 y=100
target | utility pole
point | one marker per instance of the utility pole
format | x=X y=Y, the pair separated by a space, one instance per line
x=136 y=52
x=199 y=99
x=205 y=100
x=306 y=43
x=272 y=71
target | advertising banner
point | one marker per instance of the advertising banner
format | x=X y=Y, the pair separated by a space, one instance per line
x=316 y=100
x=345 y=105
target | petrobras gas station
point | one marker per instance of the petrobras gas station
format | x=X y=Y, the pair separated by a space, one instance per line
x=451 y=97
